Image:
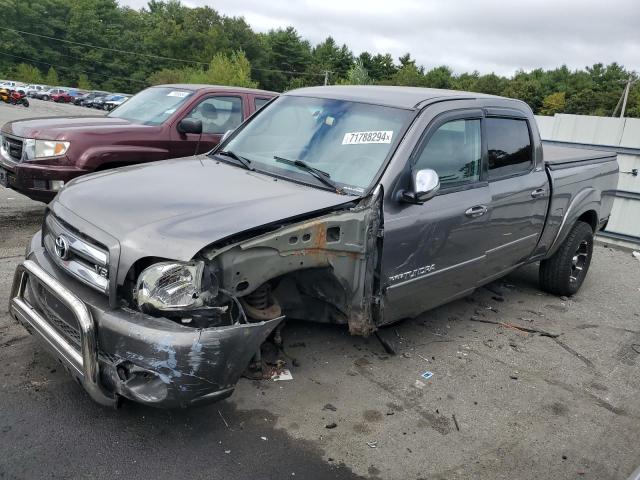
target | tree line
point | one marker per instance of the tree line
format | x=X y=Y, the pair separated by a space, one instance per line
x=99 y=44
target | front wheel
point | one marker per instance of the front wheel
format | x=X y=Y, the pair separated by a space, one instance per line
x=25 y=102
x=45 y=98
x=564 y=272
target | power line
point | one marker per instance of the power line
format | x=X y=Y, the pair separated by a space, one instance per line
x=149 y=55
x=70 y=68
x=103 y=48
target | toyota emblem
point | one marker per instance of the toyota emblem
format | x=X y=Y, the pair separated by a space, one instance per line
x=62 y=247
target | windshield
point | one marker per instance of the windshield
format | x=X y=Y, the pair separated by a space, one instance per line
x=349 y=141
x=152 y=106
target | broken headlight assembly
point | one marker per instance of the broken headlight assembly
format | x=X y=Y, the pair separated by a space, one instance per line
x=175 y=287
x=187 y=292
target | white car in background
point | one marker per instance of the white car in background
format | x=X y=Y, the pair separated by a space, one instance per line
x=32 y=90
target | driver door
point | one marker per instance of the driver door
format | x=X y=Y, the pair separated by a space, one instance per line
x=218 y=114
x=434 y=252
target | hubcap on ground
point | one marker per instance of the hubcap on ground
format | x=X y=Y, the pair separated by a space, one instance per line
x=579 y=260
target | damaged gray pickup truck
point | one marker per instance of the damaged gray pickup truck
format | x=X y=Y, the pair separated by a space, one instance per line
x=359 y=206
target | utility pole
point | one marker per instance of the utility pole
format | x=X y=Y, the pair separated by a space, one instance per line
x=326 y=77
x=625 y=97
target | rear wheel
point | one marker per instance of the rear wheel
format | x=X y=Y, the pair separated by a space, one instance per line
x=46 y=97
x=564 y=272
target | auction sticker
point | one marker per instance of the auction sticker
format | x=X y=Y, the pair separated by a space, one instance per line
x=177 y=93
x=360 y=138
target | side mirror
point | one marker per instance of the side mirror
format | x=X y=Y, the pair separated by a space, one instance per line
x=226 y=135
x=190 y=125
x=425 y=186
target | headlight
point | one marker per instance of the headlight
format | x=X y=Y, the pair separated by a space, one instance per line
x=44 y=148
x=170 y=286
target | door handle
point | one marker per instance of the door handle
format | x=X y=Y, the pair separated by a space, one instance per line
x=476 y=211
x=539 y=192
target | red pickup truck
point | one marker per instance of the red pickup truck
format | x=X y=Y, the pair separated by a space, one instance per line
x=39 y=156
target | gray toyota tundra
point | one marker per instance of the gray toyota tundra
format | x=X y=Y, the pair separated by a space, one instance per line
x=352 y=205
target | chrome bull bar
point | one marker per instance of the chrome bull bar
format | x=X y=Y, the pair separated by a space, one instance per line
x=84 y=363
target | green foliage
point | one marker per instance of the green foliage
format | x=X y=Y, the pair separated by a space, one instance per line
x=169 y=42
x=357 y=75
x=409 y=75
x=52 y=77
x=554 y=103
x=27 y=73
x=83 y=82
x=233 y=70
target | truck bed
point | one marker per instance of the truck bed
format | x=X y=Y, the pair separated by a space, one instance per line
x=556 y=157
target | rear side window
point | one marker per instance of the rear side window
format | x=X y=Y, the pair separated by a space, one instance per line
x=509 y=146
x=261 y=102
x=454 y=152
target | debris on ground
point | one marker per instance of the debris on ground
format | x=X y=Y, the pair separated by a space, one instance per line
x=515 y=327
x=455 y=421
x=223 y=419
x=427 y=375
x=331 y=425
x=406 y=355
x=419 y=385
x=372 y=444
x=280 y=375
x=328 y=406
x=389 y=346
x=635 y=347
x=636 y=254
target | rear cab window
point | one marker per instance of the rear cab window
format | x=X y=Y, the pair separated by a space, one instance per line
x=509 y=147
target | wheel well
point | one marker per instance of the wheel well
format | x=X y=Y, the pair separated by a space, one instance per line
x=590 y=217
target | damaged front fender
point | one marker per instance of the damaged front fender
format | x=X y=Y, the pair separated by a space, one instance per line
x=321 y=269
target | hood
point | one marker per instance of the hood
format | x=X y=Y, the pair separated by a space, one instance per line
x=65 y=128
x=174 y=208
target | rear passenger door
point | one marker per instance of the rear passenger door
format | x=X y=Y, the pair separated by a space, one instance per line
x=519 y=191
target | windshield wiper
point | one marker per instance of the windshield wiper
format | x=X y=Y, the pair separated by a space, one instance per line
x=246 y=163
x=321 y=175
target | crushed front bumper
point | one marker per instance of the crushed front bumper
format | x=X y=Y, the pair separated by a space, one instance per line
x=121 y=352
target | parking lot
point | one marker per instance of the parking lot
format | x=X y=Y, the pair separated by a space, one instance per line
x=525 y=385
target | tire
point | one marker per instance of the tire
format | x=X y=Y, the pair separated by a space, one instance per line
x=25 y=102
x=45 y=98
x=564 y=272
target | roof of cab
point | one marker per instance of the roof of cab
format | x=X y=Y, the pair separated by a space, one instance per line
x=401 y=97
x=218 y=88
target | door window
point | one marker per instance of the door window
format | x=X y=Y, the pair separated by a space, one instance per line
x=218 y=114
x=260 y=102
x=509 y=146
x=454 y=152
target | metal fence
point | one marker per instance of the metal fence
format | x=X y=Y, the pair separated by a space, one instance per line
x=620 y=135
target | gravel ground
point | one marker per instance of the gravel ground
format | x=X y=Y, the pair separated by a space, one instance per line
x=501 y=404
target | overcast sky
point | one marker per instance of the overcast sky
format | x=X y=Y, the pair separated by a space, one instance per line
x=489 y=35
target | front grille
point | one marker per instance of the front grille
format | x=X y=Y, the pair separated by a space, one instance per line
x=12 y=148
x=58 y=315
x=76 y=254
